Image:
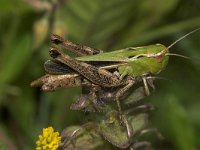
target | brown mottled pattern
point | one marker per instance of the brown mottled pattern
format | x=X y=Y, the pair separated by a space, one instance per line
x=64 y=81
x=96 y=75
x=80 y=49
x=54 y=82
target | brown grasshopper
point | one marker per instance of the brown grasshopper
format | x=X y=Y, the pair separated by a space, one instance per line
x=65 y=71
x=119 y=68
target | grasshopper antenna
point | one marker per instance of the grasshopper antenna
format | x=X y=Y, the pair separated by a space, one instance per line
x=184 y=36
x=181 y=38
x=178 y=55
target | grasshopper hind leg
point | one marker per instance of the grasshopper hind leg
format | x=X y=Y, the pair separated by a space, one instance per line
x=76 y=48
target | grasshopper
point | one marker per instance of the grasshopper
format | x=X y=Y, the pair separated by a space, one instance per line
x=118 y=68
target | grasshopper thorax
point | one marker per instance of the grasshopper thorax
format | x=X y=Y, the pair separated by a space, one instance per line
x=151 y=60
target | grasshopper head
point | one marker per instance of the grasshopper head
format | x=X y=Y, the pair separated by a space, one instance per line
x=150 y=59
x=164 y=54
x=161 y=58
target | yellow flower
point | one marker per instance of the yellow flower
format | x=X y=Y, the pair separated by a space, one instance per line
x=49 y=140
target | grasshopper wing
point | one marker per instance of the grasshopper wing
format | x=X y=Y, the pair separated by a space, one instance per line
x=56 y=67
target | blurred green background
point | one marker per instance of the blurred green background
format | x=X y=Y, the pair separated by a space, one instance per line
x=25 y=26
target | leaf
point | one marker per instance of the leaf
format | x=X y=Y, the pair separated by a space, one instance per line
x=78 y=137
x=116 y=133
x=137 y=95
x=139 y=121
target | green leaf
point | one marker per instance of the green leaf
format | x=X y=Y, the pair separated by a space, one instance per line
x=84 y=137
x=139 y=122
x=115 y=133
x=137 y=95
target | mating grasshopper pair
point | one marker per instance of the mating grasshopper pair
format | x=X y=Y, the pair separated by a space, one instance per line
x=117 y=69
x=110 y=73
x=120 y=68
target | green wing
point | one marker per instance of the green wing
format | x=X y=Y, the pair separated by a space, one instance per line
x=123 y=55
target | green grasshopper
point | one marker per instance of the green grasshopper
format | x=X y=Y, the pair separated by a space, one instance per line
x=119 y=68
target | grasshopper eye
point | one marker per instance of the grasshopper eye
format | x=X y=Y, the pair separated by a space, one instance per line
x=53 y=52
x=56 y=39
